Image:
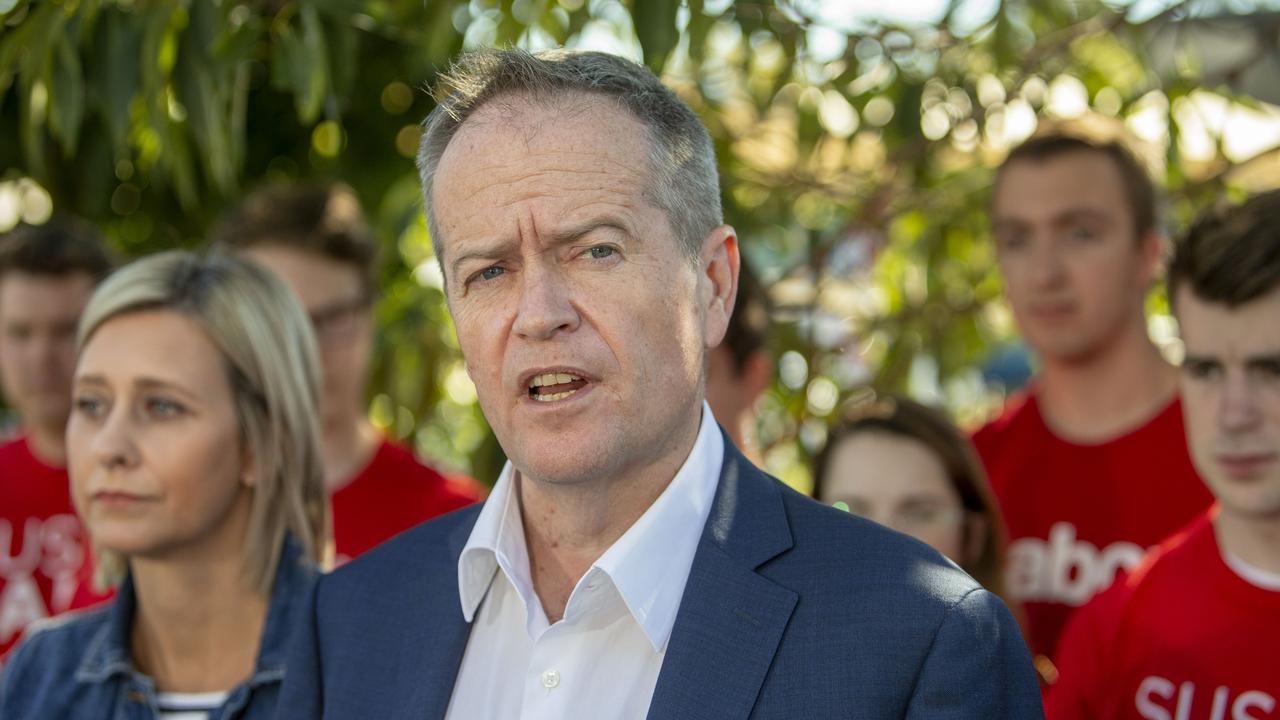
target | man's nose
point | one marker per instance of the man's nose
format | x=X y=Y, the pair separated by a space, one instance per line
x=1238 y=411
x=545 y=305
x=1047 y=266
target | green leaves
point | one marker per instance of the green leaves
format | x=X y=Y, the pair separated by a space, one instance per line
x=655 y=24
x=856 y=172
x=301 y=62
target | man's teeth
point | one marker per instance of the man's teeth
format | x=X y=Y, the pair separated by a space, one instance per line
x=552 y=379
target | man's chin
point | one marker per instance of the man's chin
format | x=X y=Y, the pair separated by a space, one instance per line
x=567 y=466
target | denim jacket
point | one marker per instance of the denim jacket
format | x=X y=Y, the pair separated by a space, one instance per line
x=78 y=665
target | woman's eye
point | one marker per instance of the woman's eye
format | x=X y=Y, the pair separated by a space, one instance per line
x=159 y=407
x=89 y=406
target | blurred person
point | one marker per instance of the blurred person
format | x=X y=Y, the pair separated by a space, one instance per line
x=1192 y=632
x=47 y=273
x=907 y=467
x=740 y=368
x=193 y=450
x=630 y=562
x=1090 y=464
x=316 y=238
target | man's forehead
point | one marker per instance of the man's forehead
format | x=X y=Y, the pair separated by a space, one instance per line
x=1212 y=328
x=1084 y=180
x=17 y=286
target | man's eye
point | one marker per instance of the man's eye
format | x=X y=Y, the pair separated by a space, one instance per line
x=1081 y=233
x=1012 y=240
x=600 y=252
x=490 y=273
x=1200 y=370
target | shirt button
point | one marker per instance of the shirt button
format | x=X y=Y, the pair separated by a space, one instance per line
x=550 y=679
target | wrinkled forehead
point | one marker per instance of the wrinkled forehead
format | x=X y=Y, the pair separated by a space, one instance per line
x=568 y=131
x=517 y=155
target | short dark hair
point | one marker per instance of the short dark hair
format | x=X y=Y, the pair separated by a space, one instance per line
x=1231 y=255
x=748 y=330
x=61 y=247
x=1140 y=191
x=320 y=218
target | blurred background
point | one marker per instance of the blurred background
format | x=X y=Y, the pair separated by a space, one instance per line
x=856 y=140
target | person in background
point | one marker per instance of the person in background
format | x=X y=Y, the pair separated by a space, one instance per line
x=47 y=273
x=907 y=467
x=194 y=456
x=739 y=368
x=316 y=238
x=1090 y=464
x=1193 y=631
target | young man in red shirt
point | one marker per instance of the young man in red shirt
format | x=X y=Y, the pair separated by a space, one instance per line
x=316 y=238
x=1192 y=633
x=1090 y=464
x=47 y=274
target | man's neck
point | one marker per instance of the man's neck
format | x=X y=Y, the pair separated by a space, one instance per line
x=349 y=445
x=197 y=624
x=1254 y=540
x=1100 y=397
x=568 y=527
x=48 y=445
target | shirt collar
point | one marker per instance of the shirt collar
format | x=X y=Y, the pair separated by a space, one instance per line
x=648 y=565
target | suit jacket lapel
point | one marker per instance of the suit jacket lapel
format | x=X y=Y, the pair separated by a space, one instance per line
x=731 y=618
x=437 y=660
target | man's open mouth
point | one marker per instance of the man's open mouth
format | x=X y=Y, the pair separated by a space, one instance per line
x=550 y=387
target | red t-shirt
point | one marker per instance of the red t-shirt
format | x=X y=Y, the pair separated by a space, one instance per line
x=1077 y=514
x=44 y=550
x=1183 y=637
x=392 y=494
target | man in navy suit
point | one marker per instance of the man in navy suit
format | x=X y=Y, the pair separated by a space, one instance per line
x=630 y=562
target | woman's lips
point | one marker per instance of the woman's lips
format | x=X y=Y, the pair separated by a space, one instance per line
x=1246 y=465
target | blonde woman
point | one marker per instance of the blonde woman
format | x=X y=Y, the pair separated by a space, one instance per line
x=194 y=462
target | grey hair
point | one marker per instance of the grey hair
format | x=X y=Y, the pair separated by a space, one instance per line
x=685 y=181
x=273 y=368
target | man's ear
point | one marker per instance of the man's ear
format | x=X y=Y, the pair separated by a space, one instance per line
x=719 y=264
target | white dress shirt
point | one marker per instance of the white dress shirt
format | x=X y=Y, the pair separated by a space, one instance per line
x=602 y=659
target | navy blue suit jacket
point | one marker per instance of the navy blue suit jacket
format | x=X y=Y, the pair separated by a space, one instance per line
x=792 y=610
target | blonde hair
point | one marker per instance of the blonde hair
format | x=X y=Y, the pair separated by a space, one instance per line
x=274 y=373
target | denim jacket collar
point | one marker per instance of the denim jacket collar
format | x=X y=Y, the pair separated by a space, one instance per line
x=108 y=654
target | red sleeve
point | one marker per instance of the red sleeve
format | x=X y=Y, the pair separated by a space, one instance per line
x=1085 y=658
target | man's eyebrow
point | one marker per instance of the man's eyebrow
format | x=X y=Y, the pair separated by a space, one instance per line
x=577 y=232
x=1081 y=213
x=554 y=239
x=489 y=251
x=1263 y=359
x=1197 y=359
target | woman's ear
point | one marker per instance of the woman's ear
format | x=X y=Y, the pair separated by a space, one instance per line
x=248 y=470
